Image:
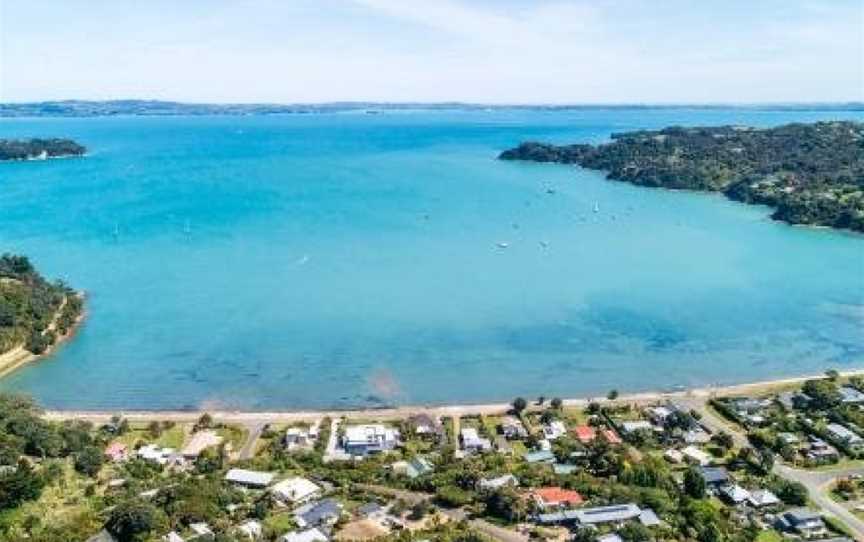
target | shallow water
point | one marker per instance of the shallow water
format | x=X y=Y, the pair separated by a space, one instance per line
x=350 y=259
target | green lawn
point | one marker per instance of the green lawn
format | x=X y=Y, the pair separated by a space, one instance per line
x=769 y=536
x=233 y=435
x=170 y=438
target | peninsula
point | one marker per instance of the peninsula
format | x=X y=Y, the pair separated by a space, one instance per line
x=810 y=173
x=34 y=313
x=39 y=149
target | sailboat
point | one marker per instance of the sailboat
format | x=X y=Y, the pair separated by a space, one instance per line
x=596 y=207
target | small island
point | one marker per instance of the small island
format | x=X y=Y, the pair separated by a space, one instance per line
x=39 y=149
x=810 y=173
x=34 y=314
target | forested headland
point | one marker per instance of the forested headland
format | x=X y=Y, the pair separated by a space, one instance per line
x=39 y=149
x=34 y=312
x=810 y=173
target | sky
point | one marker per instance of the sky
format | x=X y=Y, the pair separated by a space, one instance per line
x=482 y=51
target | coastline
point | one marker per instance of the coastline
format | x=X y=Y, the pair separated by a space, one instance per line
x=400 y=412
x=18 y=357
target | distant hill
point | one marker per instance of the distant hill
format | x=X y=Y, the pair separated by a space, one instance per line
x=83 y=108
x=33 y=311
x=810 y=173
x=38 y=149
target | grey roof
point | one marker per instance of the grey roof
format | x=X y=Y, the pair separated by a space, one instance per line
x=714 y=475
x=563 y=468
x=102 y=536
x=851 y=395
x=319 y=512
x=369 y=508
x=801 y=515
x=648 y=518
x=541 y=456
x=607 y=514
x=249 y=477
x=563 y=516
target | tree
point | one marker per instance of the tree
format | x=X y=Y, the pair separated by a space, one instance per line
x=519 y=404
x=766 y=460
x=694 y=483
x=823 y=394
x=19 y=485
x=204 y=422
x=832 y=375
x=541 y=400
x=557 y=403
x=723 y=439
x=134 y=520
x=154 y=430
x=89 y=460
x=612 y=395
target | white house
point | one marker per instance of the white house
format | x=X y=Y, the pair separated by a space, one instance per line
x=249 y=478
x=638 y=425
x=491 y=484
x=471 y=440
x=696 y=456
x=369 y=439
x=554 y=429
x=295 y=490
x=762 y=498
x=309 y=535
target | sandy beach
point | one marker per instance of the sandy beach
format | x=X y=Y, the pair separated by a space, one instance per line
x=243 y=417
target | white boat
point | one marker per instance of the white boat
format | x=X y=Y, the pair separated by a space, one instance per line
x=596 y=207
x=503 y=245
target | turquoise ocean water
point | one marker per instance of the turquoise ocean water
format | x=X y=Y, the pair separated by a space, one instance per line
x=351 y=259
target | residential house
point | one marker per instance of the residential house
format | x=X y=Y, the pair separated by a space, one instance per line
x=156 y=454
x=309 y=535
x=696 y=456
x=414 y=468
x=788 y=438
x=295 y=490
x=554 y=430
x=172 y=537
x=638 y=425
x=540 y=456
x=512 y=428
x=298 y=438
x=609 y=537
x=696 y=436
x=201 y=441
x=806 y=523
x=492 y=484
x=425 y=426
x=371 y=510
x=200 y=532
x=850 y=395
x=564 y=468
x=659 y=414
x=585 y=433
x=844 y=435
x=322 y=513
x=250 y=529
x=734 y=494
x=102 y=536
x=820 y=451
x=610 y=436
x=673 y=456
x=715 y=477
x=616 y=514
x=556 y=497
x=361 y=440
x=249 y=478
x=763 y=498
x=472 y=442
x=117 y=452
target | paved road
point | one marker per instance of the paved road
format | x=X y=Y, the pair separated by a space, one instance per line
x=248 y=449
x=816 y=481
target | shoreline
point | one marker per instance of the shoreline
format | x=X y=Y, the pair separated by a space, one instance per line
x=399 y=412
x=18 y=357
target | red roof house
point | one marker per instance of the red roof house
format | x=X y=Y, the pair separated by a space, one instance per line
x=585 y=433
x=556 y=497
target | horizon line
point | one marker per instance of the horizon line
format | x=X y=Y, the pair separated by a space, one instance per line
x=360 y=102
